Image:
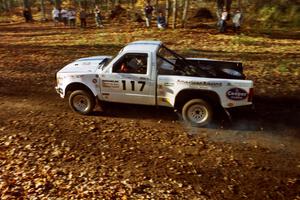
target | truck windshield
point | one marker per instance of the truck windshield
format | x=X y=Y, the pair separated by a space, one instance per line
x=105 y=62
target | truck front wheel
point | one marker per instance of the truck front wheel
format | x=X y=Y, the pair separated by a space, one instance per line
x=82 y=102
x=197 y=112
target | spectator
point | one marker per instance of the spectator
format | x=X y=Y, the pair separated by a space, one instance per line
x=55 y=16
x=222 y=23
x=98 y=17
x=64 y=16
x=72 y=17
x=220 y=7
x=148 y=13
x=82 y=17
x=161 y=21
x=237 y=20
x=27 y=15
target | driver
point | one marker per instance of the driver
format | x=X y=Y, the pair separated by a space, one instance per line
x=124 y=68
x=141 y=66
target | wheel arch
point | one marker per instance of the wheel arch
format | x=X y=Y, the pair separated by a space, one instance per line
x=185 y=95
x=78 y=86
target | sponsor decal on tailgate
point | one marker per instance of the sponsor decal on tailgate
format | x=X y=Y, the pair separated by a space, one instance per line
x=236 y=94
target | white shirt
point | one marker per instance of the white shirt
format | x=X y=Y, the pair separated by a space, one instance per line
x=237 y=19
x=72 y=14
x=64 y=13
x=55 y=13
x=224 y=15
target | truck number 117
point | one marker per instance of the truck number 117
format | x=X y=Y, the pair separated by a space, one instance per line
x=132 y=83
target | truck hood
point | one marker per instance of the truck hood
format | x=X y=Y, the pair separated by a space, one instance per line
x=84 y=65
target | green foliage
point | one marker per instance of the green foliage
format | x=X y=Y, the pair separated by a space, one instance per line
x=267 y=13
x=246 y=40
x=283 y=68
x=281 y=14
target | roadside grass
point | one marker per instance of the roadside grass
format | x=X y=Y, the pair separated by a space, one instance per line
x=247 y=40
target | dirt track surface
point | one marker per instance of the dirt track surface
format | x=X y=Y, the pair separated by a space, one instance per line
x=134 y=152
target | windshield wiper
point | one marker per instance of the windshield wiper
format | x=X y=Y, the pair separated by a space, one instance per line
x=102 y=63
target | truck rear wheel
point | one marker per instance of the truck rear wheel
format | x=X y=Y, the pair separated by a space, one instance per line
x=82 y=102
x=197 y=112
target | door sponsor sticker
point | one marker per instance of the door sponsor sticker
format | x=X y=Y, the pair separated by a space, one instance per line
x=236 y=94
x=110 y=83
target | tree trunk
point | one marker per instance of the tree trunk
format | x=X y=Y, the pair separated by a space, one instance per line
x=239 y=4
x=131 y=4
x=9 y=4
x=228 y=5
x=107 y=5
x=167 y=11
x=184 y=14
x=43 y=10
x=26 y=4
x=2 y=5
x=156 y=6
x=6 y=5
x=174 y=14
x=57 y=3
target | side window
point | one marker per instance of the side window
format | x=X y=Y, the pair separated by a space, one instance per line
x=132 y=64
x=164 y=67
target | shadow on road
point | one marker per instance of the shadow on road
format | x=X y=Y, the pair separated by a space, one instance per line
x=270 y=113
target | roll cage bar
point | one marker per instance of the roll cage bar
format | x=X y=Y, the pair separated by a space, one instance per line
x=185 y=65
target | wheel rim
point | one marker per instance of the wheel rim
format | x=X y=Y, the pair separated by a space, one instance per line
x=197 y=114
x=81 y=103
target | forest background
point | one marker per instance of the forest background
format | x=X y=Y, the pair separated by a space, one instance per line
x=262 y=15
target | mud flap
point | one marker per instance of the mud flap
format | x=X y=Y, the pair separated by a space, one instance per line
x=228 y=115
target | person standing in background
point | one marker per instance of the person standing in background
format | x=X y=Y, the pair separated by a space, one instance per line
x=222 y=23
x=221 y=6
x=97 y=13
x=148 y=13
x=27 y=15
x=55 y=16
x=82 y=17
x=64 y=16
x=72 y=17
x=237 y=20
x=161 y=21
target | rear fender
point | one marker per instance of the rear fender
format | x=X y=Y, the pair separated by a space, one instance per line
x=185 y=95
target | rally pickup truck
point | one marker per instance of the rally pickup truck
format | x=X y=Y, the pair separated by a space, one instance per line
x=149 y=73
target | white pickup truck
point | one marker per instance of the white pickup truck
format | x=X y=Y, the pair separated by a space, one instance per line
x=148 y=73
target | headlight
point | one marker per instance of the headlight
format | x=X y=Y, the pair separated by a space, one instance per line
x=58 y=79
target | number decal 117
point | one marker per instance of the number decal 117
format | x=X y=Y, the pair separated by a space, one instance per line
x=132 y=83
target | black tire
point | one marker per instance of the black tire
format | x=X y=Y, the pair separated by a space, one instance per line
x=197 y=112
x=82 y=102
